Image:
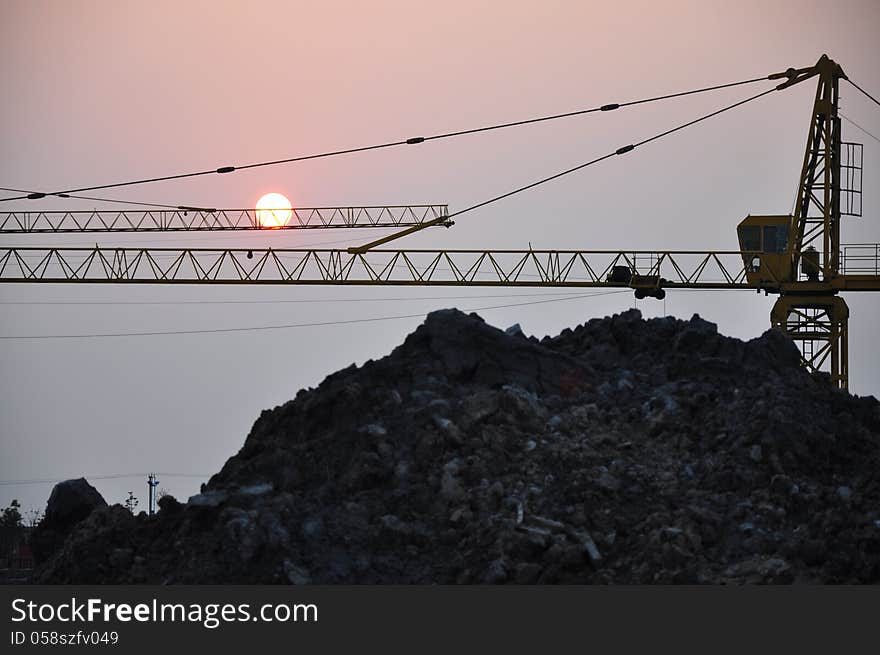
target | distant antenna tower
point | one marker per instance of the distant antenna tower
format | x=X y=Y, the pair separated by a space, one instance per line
x=152 y=483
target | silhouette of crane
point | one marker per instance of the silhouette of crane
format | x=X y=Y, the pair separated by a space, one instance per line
x=798 y=257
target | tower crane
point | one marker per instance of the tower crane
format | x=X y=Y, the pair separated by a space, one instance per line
x=798 y=257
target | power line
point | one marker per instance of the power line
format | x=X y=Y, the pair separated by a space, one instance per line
x=852 y=122
x=314 y=300
x=410 y=141
x=281 y=301
x=110 y=476
x=868 y=95
x=620 y=151
x=298 y=325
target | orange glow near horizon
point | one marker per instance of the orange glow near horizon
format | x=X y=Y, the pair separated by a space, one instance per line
x=273 y=210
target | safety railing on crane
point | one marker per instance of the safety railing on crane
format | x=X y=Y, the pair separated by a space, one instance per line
x=860 y=259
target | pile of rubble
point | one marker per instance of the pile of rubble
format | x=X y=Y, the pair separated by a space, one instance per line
x=622 y=451
x=70 y=503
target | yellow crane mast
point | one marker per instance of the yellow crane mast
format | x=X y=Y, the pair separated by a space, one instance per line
x=800 y=256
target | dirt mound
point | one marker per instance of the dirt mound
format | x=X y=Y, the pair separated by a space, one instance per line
x=70 y=502
x=624 y=451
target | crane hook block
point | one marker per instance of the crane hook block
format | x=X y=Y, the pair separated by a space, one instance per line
x=415 y=139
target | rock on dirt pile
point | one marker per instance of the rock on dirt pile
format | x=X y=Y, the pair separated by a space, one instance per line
x=70 y=502
x=624 y=451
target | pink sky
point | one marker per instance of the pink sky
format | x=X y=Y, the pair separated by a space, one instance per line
x=104 y=91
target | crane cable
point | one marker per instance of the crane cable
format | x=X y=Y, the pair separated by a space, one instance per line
x=620 y=151
x=854 y=124
x=109 y=476
x=410 y=141
x=868 y=95
x=115 y=200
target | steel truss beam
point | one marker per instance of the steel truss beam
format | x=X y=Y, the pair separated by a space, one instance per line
x=561 y=268
x=188 y=219
x=819 y=326
x=817 y=210
x=557 y=268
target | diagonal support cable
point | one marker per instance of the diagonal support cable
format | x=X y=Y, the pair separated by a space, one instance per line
x=620 y=151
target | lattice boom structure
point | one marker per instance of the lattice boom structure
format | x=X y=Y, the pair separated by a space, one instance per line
x=558 y=268
x=187 y=219
x=527 y=268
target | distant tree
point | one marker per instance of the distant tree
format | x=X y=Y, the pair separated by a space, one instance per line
x=32 y=518
x=131 y=502
x=11 y=517
x=10 y=532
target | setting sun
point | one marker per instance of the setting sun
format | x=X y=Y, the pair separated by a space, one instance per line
x=273 y=210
